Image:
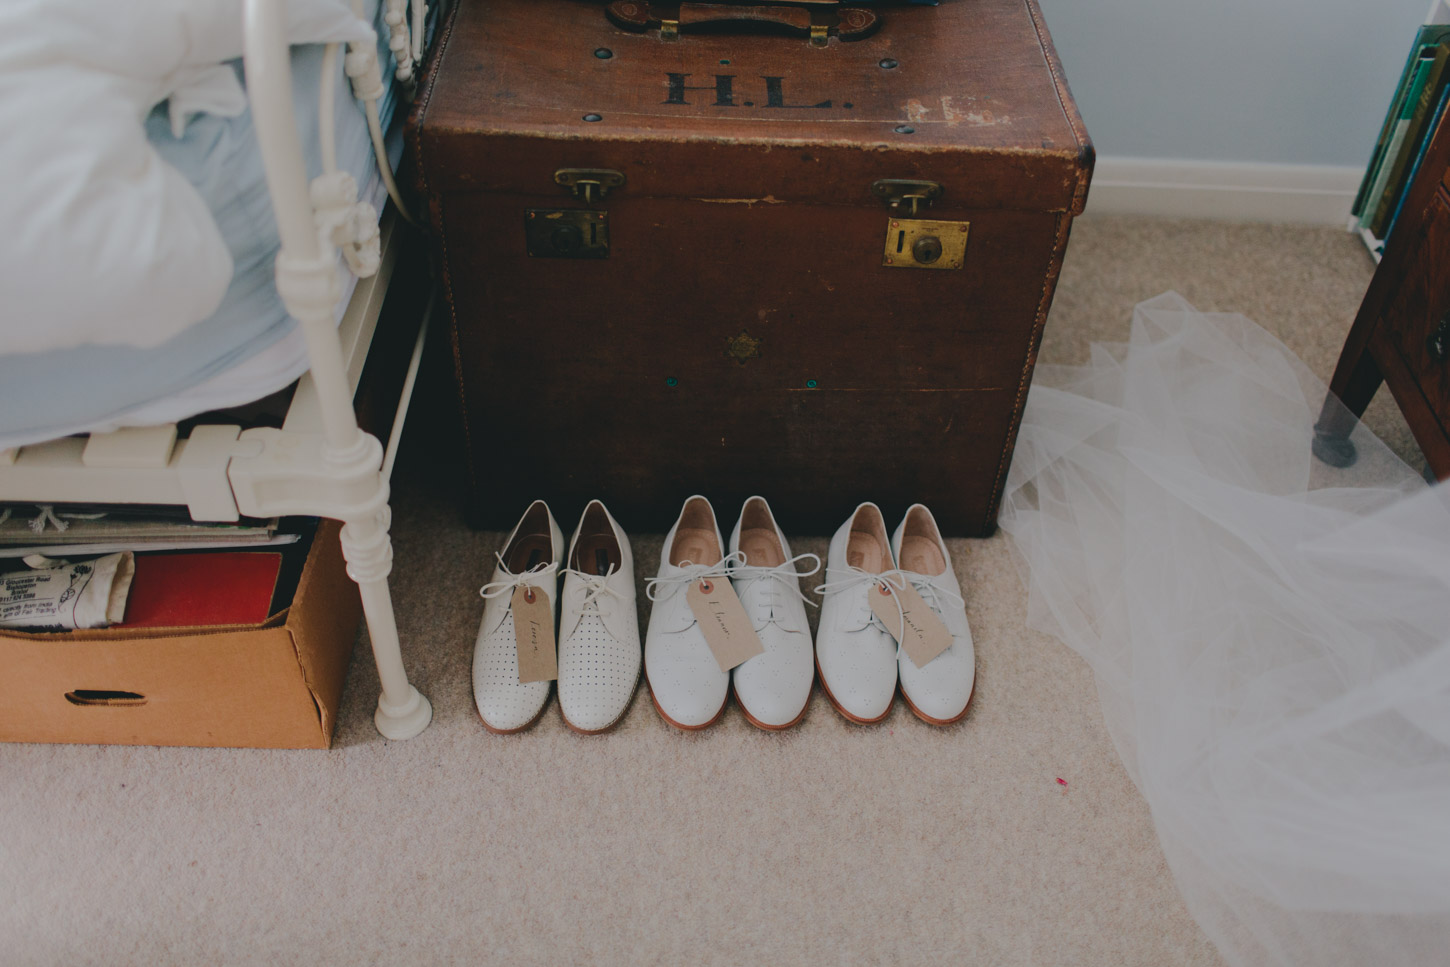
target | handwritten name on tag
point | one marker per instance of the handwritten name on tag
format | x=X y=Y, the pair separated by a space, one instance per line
x=728 y=629
x=534 y=634
x=926 y=636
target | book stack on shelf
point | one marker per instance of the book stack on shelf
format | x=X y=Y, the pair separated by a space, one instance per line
x=182 y=573
x=1415 y=111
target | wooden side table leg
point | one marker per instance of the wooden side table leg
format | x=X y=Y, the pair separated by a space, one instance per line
x=1355 y=383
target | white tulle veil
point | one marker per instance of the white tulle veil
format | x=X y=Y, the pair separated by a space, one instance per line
x=1270 y=636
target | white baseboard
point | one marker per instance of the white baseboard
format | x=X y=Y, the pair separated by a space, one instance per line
x=1312 y=194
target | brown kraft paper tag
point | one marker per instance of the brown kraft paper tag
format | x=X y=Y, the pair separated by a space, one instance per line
x=534 y=634
x=926 y=636
x=728 y=629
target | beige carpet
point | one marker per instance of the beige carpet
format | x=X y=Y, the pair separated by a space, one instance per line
x=829 y=844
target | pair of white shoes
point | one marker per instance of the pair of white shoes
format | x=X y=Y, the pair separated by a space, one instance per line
x=598 y=624
x=859 y=661
x=688 y=687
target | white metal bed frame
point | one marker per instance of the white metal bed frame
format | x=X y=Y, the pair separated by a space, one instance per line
x=320 y=463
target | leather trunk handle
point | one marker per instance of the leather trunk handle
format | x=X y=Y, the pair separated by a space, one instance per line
x=817 y=19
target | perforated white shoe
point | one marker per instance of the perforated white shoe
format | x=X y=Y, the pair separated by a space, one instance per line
x=599 y=653
x=685 y=681
x=855 y=654
x=774 y=687
x=939 y=691
x=530 y=557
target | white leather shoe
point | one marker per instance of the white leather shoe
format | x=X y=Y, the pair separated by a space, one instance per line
x=939 y=691
x=855 y=654
x=530 y=557
x=599 y=655
x=773 y=687
x=685 y=681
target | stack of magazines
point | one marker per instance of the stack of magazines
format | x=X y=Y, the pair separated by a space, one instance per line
x=64 y=530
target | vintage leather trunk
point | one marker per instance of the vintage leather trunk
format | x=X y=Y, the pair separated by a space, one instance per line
x=693 y=264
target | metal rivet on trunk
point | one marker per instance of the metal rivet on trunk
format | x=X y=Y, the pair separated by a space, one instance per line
x=600 y=117
x=889 y=63
x=603 y=53
x=900 y=128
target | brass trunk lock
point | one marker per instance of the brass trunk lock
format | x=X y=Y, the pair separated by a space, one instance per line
x=566 y=233
x=917 y=243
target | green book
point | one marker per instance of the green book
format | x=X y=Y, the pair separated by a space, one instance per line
x=1425 y=104
x=1427 y=36
x=1419 y=75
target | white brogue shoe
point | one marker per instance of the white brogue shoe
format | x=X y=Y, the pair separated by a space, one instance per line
x=685 y=681
x=599 y=654
x=855 y=654
x=774 y=687
x=530 y=558
x=938 y=692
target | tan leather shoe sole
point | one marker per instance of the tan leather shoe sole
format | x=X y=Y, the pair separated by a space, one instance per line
x=761 y=725
x=522 y=728
x=837 y=705
x=683 y=728
x=611 y=726
x=931 y=721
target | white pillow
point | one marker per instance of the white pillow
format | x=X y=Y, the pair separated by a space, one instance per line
x=102 y=242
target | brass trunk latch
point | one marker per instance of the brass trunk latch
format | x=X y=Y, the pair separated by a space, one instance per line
x=573 y=233
x=918 y=243
x=904 y=195
x=589 y=184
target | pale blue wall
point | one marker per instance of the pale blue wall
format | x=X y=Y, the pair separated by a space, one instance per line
x=1280 y=81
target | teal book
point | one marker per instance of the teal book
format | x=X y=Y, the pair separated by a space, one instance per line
x=1419 y=75
x=1414 y=134
x=1428 y=36
x=1435 y=121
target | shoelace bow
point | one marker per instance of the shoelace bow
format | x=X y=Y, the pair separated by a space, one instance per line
x=933 y=593
x=689 y=574
x=781 y=576
x=594 y=588
x=529 y=578
x=894 y=581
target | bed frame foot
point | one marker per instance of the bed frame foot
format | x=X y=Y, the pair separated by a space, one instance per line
x=402 y=711
x=406 y=721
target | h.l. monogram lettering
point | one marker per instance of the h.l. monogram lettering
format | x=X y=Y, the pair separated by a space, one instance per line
x=724 y=90
x=724 y=96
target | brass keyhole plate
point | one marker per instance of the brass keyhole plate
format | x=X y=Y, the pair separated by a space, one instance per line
x=902 y=234
x=554 y=233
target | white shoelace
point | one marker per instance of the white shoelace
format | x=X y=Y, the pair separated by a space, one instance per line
x=893 y=581
x=781 y=576
x=933 y=593
x=529 y=578
x=689 y=574
x=594 y=588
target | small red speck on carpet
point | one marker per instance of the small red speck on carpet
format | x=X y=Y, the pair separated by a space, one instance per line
x=1062 y=782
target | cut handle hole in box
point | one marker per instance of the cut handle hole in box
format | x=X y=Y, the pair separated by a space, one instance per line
x=108 y=697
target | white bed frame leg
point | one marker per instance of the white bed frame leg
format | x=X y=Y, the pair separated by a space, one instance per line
x=337 y=473
x=402 y=711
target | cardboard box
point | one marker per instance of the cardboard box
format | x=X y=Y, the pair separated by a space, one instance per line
x=277 y=684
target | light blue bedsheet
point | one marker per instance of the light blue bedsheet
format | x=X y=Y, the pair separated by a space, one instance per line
x=43 y=394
